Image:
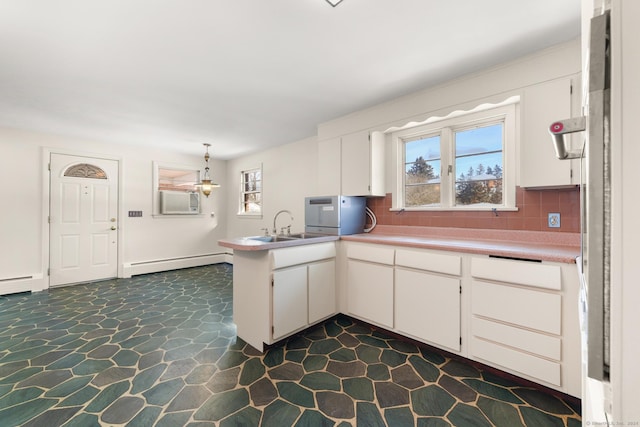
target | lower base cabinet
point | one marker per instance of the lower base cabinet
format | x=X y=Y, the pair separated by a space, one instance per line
x=427 y=307
x=516 y=315
x=289 y=305
x=322 y=290
x=279 y=292
x=370 y=292
x=302 y=295
x=524 y=320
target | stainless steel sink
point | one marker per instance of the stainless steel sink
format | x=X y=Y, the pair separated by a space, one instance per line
x=269 y=239
x=305 y=235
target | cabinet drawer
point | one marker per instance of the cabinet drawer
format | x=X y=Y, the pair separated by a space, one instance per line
x=377 y=254
x=515 y=360
x=305 y=254
x=523 y=307
x=520 y=272
x=439 y=263
x=522 y=339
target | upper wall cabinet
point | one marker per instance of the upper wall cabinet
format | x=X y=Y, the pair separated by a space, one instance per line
x=329 y=160
x=542 y=104
x=352 y=165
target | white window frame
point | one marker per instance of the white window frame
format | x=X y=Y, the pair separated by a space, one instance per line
x=483 y=115
x=241 y=211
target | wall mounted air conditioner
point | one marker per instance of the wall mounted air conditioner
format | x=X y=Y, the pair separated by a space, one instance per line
x=179 y=203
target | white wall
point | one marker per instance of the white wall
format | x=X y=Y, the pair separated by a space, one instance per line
x=289 y=175
x=493 y=85
x=149 y=238
x=290 y=171
x=625 y=269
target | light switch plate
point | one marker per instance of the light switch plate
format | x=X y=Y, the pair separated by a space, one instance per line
x=554 y=220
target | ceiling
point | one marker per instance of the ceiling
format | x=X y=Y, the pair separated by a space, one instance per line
x=245 y=75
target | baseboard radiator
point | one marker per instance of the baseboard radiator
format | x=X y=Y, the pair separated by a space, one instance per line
x=154 y=266
x=14 y=285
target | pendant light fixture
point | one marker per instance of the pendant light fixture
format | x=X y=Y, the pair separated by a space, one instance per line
x=334 y=3
x=205 y=184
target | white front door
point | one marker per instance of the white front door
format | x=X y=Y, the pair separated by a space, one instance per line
x=83 y=219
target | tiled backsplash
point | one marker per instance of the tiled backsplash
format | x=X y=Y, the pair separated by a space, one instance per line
x=532 y=214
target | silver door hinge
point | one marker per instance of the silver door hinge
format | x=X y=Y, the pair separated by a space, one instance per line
x=48 y=272
x=460 y=288
x=49 y=167
x=272 y=282
x=460 y=340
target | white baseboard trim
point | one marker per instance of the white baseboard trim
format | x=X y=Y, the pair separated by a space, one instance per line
x=229 y=258
x=154 y=266
x=30 y=283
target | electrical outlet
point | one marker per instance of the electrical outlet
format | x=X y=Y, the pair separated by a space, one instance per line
x=554 y=220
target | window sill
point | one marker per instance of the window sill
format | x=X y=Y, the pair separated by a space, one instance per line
x=249 y=215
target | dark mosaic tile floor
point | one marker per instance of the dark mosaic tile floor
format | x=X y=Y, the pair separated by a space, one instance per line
x=160 y=350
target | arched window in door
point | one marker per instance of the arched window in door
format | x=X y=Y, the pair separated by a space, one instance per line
x=85 y=170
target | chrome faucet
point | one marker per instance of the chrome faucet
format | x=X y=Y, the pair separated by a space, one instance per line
x=275 y=229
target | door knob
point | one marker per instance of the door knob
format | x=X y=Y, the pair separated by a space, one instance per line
x=113 y=227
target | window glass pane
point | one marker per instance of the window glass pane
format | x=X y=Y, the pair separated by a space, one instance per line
x=177 y=179
x=251 y=196
x=478 y=166
x=422 y=171
x=252 y=202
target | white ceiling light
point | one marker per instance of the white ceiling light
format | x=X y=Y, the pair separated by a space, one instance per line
x=334 y=3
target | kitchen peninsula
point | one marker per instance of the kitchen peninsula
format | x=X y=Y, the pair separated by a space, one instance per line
x=503 y=298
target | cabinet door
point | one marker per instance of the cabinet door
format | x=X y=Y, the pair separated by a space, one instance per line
x=356 y=165
x=428 y=307
x=543 y=104
x=363 y=168
x=289 y=303
x=370 y=292
x=329 y=171
x=322 y=290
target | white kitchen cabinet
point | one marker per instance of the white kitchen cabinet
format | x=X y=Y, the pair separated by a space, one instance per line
x=278 y=292
x=427 y=303
x=543 y=104
x=428 y=307
x=370 y=292
x=515 y=315
x=370 y=283
x=362 y=166
x=329 y=169
x=289 y=300
x=352 y=165
x=322 y=290
x=524 y=320
x=302 y=295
